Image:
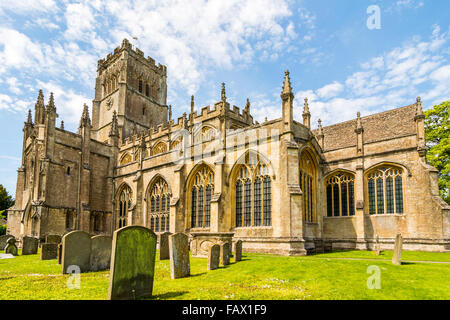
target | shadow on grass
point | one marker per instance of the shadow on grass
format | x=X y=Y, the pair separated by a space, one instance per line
x=167 y=295
x=197 y=274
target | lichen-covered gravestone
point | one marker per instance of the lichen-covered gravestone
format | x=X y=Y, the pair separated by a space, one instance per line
x=132 y=263
x=100 y=253
x=11 y=247
x=213 y=257
x=29 y=245
x=49 y=251
x=59 y=253
x=397 y=257
x=225 y=253
x=164 y=246
x=377 y=246
x=3 y=240
x=76 y=250
x=52 y=238
x=179 y=256
x=237 y=250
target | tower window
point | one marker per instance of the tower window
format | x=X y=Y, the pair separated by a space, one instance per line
x=140 y=86
x=146 y=90
x=68 y=171
x=143 y=111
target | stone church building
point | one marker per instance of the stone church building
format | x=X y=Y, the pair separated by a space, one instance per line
x=218 y=175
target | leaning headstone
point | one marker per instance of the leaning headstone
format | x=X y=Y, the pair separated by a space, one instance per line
x=52 y=238
x=59 y=253
x=76 y=250
x=377 y=246
x=179 y=256
x=225 y=253
x=3 y=240
x=49 y=251
x=213 y=257
x=100 y=253
x=164 y=246
x=237 y=250
x=132 y=263
x=397 y=257
x=11 y=247
x=29 y=245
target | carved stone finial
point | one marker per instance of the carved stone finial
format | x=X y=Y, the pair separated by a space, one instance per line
x=85 y=120
x=320 y=134
x=287 y=83
x=306 y=107
x=359 y=126
x=223 y=96
x=192 y=104
x=247 y=106
x=51 y=104
x=114 y=130
x=419 y=110
x=62 y=125
x=170 y=112
x=29 y=118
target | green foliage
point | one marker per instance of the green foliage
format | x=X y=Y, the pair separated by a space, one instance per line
x=437 y=133
x=258 y=276
x=2 y=230
x=6 y=200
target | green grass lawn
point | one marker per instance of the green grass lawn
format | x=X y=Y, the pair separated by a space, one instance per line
x=258 y=276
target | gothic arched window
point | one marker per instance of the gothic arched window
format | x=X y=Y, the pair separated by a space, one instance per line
x=158 y=200
x=308 y=176
x=253 y=195
x=161 y=147
x=385 y=190
x=123 y=206
x=341 y=195
x=201 y=192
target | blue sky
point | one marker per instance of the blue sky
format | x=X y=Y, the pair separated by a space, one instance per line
x=334 y=59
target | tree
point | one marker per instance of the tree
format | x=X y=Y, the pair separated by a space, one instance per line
x=6 y=200
x=437 y=133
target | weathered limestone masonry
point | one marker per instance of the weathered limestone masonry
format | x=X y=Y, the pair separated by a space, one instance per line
x=218 y=176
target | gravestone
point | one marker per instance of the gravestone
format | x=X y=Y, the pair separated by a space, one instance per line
x=377 y=246
x=11 y=247
x=132 y=263
x=225 y=253
x=76 y=250
x=29 y=245
x=100 y=253
x=3 y=240
x=179 y=256
x=213 y=257
x=59 y=253
x=52 y=238
x=397 y=257
x=237 y=250
x=164 y=246
x=49 y=251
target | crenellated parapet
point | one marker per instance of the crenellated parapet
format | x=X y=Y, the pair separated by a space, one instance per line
x=112 y=58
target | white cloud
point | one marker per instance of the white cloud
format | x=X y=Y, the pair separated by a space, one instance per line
x=330 y=90
x=28 y=6
x=69 y=104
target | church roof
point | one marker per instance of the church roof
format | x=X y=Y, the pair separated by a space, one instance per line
x=377 y=127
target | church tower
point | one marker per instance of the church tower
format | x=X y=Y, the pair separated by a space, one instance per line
x=132 y=86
